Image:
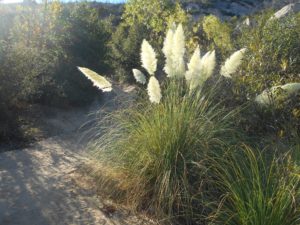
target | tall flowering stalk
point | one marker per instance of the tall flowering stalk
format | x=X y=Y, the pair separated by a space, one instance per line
x=193 y=66
x=168 y=52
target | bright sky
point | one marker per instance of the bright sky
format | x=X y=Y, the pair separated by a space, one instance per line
x=18 y=1
x=10 y=1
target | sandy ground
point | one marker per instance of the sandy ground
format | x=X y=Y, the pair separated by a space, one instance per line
x=41 y=185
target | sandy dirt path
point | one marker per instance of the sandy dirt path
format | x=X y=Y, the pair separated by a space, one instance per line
x=39 y=184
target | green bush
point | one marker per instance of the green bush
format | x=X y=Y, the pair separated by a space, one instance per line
x=156 y=15
x=219 y=33
x=40 y=49
x=45 y=46
x=273 y=53
x=125 y=48
x=272 y=59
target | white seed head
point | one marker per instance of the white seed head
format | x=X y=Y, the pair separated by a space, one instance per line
x=148 y=57
x=200 y=69
x=174 y=50
x=269 y=96
x=194 y=66
x=98 y=81
x=139 y=76
x=208 y=65
x=168 y=44
x=154 y=91
x=291 y=88
x=232 y=63
x=179 y=51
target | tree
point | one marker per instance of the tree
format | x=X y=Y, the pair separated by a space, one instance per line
x=155 y=15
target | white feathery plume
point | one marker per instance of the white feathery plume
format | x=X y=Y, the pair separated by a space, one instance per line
x=148 y=57
x=168 y=52
x=154 y=91
x=179 y=51
x=271 y=95
x=203 y=68
x=208 y=65
x=168 y=44
x=139 y=76
x=99 y=81
x=267 y=96
x=291 y=88
x=174 y=50
x=232 y=63
x=194 y=66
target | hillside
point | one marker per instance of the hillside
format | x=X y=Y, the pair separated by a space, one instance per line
x=226 y=9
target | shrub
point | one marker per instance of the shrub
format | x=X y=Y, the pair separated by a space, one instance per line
x=141 y=20
x=218 y=32
x=156 y=15
x=273 y=53
x=40 y=47
x=45 y=45
x=125 y=46
x=271 y=60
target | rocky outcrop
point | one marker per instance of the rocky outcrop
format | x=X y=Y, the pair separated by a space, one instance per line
x=226 y=9
x=286 y=10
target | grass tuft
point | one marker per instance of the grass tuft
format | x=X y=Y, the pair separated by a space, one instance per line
x=155 y=146
x=256 y=189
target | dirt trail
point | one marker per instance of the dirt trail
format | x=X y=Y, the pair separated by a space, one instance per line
x=39 y=185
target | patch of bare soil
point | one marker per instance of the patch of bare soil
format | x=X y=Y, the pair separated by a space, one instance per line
x=42 y=184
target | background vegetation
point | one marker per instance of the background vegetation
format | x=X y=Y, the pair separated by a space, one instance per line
x=41 y=45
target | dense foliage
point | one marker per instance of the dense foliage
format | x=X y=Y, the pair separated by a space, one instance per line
x=41 y=45
x=141 y=20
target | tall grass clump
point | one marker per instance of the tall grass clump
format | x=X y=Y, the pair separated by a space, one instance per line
x=256 y=189
x=153 y=145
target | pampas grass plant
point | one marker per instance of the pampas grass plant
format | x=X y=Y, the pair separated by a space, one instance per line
x=154 y=146
x=178 y=157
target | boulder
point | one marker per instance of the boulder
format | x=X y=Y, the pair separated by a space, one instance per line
x=286 y=10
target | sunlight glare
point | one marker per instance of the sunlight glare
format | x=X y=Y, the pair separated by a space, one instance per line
x=10 y=1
